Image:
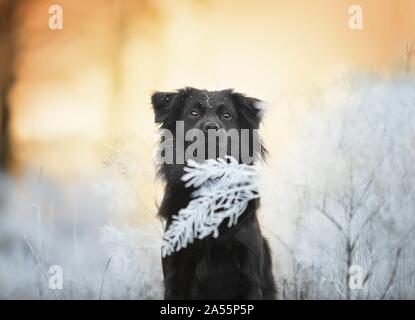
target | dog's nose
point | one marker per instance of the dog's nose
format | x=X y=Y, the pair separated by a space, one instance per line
x=210 y=125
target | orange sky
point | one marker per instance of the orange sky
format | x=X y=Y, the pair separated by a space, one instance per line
x=92 y=80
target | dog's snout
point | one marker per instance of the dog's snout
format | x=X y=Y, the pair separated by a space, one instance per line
x=210 y=125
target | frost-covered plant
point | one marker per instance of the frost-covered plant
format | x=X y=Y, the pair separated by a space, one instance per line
x=223 y=190
x=350 y=183
x=95 y=229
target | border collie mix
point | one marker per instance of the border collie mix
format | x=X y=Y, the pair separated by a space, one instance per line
x=237 y=264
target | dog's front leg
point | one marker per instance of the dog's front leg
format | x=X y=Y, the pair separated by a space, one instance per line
x=173 y=284
x=173 y=288
x=255 y=293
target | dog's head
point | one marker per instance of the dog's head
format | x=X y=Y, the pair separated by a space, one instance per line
x=202 y=111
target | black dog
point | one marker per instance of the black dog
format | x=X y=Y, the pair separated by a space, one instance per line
x=237 y=264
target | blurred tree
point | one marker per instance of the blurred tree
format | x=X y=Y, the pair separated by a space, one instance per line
x=409 y=54
x=8 y=49
x=123 y=16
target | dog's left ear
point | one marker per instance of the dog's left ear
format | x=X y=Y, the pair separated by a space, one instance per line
x=250 y=109
x=161 y=102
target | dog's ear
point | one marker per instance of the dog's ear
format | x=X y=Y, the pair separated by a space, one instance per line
x=250 y=109
x=161 y=102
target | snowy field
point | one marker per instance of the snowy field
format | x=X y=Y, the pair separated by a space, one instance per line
x=340 y=215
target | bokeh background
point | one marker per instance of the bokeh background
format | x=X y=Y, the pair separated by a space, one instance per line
x=75 y=102
x=78 y=87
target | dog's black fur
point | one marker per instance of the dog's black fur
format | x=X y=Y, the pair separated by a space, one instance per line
x=237 y=264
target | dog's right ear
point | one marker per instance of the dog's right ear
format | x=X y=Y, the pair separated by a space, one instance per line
x=161 y=102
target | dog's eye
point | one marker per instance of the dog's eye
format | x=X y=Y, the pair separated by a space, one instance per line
x=227 y=115
x=193 y=114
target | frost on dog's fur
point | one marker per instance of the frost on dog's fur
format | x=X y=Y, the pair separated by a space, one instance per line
x=223 y=190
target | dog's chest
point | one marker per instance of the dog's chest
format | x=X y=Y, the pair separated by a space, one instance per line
x=219 y=269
